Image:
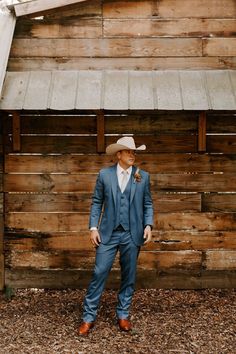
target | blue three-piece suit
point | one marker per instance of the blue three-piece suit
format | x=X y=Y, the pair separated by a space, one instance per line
x=123 y=219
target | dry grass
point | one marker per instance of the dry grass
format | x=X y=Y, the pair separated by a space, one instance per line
x=164 y=321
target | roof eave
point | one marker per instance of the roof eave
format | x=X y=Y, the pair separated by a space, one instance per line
x=37 y=7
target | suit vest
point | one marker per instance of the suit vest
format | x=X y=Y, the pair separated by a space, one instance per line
x=122 y=206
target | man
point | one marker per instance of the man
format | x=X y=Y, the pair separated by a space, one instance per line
x=123 y=201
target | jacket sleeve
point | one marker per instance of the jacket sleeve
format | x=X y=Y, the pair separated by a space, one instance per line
x=147 y=204
x=97 y=203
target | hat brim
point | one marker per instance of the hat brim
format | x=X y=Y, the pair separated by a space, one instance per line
x=114 y=148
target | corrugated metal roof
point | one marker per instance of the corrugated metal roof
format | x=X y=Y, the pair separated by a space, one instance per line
x=120 y=90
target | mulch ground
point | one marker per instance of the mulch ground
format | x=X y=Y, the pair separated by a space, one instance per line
x=164 y=321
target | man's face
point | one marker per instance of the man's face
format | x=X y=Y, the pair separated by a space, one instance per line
x=126 y=158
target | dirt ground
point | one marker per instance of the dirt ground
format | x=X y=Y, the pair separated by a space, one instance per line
x=164 y=321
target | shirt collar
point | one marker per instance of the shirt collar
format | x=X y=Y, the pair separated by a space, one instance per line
x=120 y=169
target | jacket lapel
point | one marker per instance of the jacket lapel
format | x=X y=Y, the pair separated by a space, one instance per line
x=113 y=176
x=133 y=185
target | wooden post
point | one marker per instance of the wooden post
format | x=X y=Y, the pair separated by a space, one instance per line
x=100 y=132
x=202 y=132
x=16 y=131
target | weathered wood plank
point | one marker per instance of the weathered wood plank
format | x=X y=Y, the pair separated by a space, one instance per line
x=177 y=240
x=54 y=222
x=87 y=144
x=170 y=260
x=220 y=260
x=45 y=260
x=51 y=28
x=159 y=63
x=63 y=279
x=76 y=202
x=221 y=143
x=85 y=182
x=47 y=222
x=166 y=142
x=59 y=163
x=47 y=241
x=169 y=9
x=161 y=260
x=191 y=240
x=49 y=124
x=196 y=221
x=152 y=122
x=221 y=122
x=68 y=163
x=55 y=144
x=173 y=202
x=80 y=202
x=219 y=46
x=49 y=183
x=184 y=27
x=150 y=47
x=133 y=9
x=219 y=202
x=194 y=182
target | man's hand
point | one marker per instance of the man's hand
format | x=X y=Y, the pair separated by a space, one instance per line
x=147 y=235
x=95 y=238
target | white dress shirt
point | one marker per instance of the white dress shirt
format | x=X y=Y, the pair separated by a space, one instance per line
x=120 y=175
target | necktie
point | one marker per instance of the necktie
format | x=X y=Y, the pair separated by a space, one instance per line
x=124 y=181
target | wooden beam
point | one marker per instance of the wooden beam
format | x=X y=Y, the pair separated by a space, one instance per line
x=16 y=143
x=100 y=132
x=202 y=132
x=39 y=6
x=7 y=26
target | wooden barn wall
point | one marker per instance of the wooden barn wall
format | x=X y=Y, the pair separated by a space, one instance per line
x=1 y=209
x=49 y=181
x=145 y=34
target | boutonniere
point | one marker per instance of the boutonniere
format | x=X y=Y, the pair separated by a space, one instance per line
x=137 y=176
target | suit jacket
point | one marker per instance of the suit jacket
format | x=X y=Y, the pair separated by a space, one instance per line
x=103 y=208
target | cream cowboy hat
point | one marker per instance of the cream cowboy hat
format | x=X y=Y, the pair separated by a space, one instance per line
x=125 y=143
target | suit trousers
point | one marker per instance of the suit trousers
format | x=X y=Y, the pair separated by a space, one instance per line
x=105 y=254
